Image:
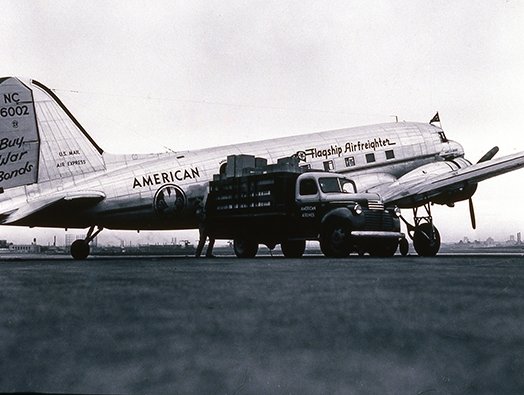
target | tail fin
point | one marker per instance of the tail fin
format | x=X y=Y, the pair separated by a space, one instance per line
x=40 y=140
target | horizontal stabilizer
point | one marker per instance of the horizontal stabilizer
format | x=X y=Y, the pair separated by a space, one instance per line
x=38 y=206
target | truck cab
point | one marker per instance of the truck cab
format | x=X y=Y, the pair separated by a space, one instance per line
x=316 y=186
x=346 y=220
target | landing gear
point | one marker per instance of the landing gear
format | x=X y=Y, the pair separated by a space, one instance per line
x=425 y=235
x=426 y=240
x=80 y=248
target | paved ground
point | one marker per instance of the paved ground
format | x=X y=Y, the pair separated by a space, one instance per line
x=448 y=325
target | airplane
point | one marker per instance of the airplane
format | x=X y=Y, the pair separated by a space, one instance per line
x=53 y=173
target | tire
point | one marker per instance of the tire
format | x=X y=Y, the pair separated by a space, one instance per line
x=334 y=239
x=293 y=248
x=245 y=248
x=80 y=250
x=426 y=240
x=384 y=248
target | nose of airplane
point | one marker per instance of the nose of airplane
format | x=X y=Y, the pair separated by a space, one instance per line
x=451 y=149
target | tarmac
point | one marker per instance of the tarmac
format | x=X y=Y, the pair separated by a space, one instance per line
x=404 y=325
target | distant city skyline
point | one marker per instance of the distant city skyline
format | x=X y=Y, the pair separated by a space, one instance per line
x=127 y=238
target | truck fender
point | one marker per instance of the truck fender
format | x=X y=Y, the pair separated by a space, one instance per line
x=341 y=213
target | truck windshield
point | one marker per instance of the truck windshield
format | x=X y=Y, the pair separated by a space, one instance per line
x=336 y=185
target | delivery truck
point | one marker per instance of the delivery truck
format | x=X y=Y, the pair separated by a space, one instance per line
x=253 y=203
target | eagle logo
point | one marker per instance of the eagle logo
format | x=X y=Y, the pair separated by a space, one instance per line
x=169 y=201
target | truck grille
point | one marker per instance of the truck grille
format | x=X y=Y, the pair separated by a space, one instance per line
x=375 y=205
x=378 y=220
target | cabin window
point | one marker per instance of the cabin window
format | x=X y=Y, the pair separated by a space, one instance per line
x=350 y=161
x=390 y=154
x=308 y=186
x=370 y=158
x=328 y=165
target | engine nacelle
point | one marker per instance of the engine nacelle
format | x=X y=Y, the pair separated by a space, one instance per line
x=450 y=196
x=456 y=195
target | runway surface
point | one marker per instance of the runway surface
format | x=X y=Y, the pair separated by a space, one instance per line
x=446 y=325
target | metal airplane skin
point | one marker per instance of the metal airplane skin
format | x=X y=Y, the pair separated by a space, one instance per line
x=53 y=174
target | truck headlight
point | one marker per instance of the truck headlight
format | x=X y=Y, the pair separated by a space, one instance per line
x=357 y=209
x=397 y=212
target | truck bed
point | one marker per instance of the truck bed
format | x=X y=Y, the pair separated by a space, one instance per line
x=261 y=204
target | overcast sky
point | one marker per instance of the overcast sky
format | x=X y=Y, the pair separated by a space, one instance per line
x=143 y=76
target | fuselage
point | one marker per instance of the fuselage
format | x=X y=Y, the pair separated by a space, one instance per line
x=164 y=191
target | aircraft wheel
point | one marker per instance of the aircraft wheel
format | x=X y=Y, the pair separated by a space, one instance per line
x=404 y=247
x=293 y=248
x=334 y=239
x=426 y=240
x=79 y=249
x=245 y=248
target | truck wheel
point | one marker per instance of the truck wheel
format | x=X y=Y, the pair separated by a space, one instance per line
x=293 y=248
x=384 y=248
x=334 y=240
x=245 y=248
x=404 y=247
x=426 y=240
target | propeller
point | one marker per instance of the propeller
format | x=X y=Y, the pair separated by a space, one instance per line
x=472 y=214
x=487 y=156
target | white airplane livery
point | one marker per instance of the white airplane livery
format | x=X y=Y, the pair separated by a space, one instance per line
x=53 y=174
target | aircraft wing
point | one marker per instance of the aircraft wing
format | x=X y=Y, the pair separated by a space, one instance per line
x=80 y=199
x=417 y=191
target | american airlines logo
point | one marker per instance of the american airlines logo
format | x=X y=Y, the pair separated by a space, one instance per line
x=166 y=177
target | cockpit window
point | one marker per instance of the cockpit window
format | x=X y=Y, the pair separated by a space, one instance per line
x=442 y=136
x=336 y=185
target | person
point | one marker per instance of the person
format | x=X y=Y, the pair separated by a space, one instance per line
x=203 y=229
